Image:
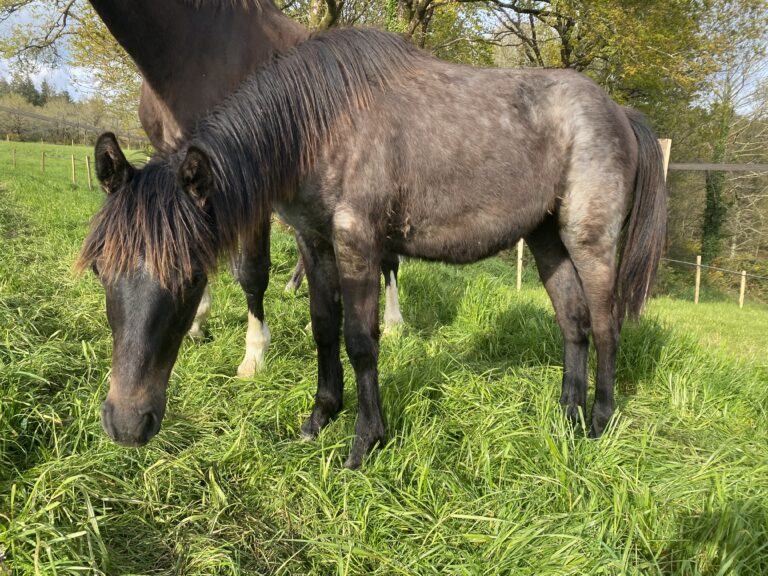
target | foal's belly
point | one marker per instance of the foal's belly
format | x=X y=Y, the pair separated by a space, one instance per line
x=463 y=240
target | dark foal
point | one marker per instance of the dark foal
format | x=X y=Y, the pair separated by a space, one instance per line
x=191 y=55
x=368 y=147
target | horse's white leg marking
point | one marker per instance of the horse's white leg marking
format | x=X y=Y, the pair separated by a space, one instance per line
x=392 y=316
x=201 y=316
x=256 y=344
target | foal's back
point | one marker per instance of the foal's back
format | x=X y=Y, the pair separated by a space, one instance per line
x=452 y=152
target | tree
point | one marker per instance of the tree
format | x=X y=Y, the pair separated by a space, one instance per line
x=641 y=52
x=739 y=25
x=22 y=85
x=46 y=92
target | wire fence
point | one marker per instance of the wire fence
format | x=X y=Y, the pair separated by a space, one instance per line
x=60 y=129
x=698 y=267
x=58 y=162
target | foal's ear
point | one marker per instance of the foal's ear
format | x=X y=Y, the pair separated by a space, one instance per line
x=112 y=168
x=196 y=176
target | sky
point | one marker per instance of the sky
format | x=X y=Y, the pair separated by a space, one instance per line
x=74 y=80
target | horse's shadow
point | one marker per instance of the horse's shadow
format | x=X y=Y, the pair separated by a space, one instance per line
x=524 y=335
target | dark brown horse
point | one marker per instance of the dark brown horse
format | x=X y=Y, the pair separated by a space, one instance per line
x=367 y=146
x=191 y=55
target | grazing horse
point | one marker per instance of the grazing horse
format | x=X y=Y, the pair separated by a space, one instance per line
x=368 y=146
x=191 y=55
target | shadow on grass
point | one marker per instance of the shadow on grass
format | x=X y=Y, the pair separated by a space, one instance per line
x=431 y=296
x=523 y=336
x=730 y=540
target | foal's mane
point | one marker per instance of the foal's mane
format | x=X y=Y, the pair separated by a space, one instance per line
x=260 y=142
x=264 y=137
x=151 y=220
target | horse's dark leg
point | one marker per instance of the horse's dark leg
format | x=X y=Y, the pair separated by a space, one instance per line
x=253 y=275
x=297 y=277
x=201 y=316
x=562 y=283
x=392 y=316
x=358 y=255
x=325 y=310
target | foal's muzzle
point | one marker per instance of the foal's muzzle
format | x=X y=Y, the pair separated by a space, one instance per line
x=130 y=427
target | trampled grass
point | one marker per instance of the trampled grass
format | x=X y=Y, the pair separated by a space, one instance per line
x=480 y=474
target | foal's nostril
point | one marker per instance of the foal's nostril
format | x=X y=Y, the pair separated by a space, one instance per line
x=149 y=425
x=106 y=420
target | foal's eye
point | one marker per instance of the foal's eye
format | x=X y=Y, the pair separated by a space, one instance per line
x=95 y=269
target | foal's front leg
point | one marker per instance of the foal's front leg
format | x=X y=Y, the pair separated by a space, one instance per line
x=325 y=311
x=358 y=260
x=253 y=275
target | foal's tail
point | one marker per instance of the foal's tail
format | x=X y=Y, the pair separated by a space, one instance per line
x=646 y=227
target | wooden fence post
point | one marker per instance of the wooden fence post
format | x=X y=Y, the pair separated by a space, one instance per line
x=88 y=171
x=42 y=161
x=743 y=288
x=698 y=279
x=74 y=177
x=520 y=264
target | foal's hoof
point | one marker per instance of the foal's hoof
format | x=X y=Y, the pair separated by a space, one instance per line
x=360 y=448
x=601 y=417
x=292 y=285
x=310 y=429
x=575 y=416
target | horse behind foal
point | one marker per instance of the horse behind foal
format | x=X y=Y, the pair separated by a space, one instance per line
x=368 y=147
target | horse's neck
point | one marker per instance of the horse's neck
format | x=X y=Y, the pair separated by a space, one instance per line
x=191 y=58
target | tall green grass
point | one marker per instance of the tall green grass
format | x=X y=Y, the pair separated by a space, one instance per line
x=481 y=475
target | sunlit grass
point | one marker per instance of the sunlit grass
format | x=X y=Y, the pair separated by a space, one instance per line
x=480 y=474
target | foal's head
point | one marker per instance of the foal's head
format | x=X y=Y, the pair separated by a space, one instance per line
x=152 y=245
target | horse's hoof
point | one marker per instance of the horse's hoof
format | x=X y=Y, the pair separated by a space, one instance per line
x=247 y=369
x=196 y=333
x=393 y=326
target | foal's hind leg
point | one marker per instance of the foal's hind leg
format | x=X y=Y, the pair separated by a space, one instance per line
x=392 y=316
x=562 y=283
x=297 y=277
x=253 y=275
x=595 y=262
x=325 y=310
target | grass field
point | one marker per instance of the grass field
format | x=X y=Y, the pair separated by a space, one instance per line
x=480 y=474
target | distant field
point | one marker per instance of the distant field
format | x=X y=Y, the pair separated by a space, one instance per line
x=480 y=475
